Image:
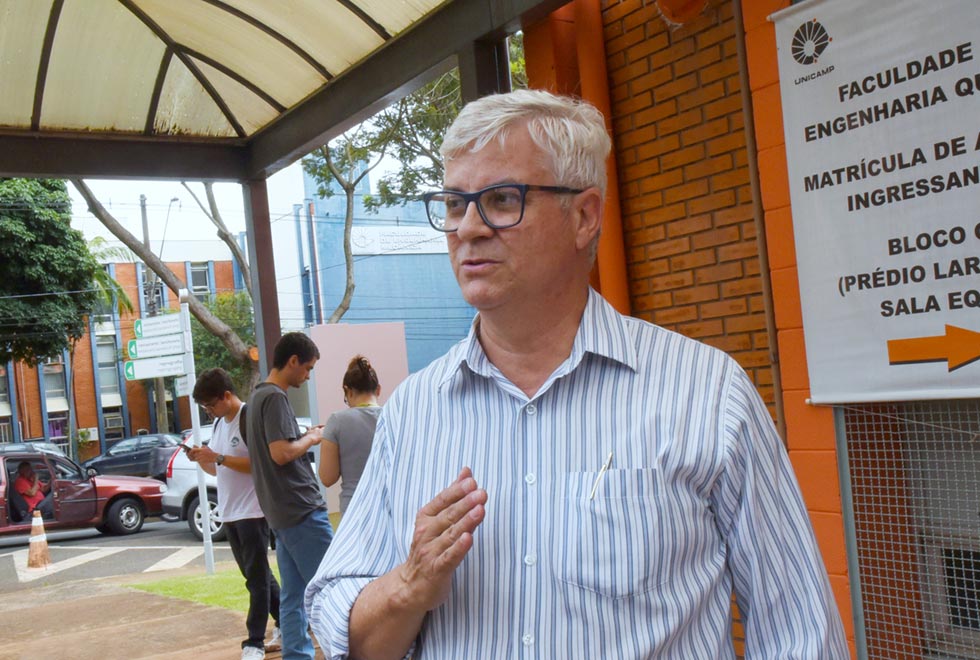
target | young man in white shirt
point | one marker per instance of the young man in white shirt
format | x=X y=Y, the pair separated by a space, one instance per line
x=226 y=457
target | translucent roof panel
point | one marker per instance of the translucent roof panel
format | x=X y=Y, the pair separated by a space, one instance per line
x=237 y=45
x=249 y=109
x=230 y=90
x=329 y=32
x=182 y=67
x=90 y=38
x=22 y=28
x=185 y=107
x=396 y=15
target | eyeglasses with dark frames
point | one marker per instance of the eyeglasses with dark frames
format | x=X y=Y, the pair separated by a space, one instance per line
x=501 y=206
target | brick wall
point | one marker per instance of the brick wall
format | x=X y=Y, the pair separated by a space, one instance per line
x=26 y=378
x=83 y=381
x=28 y=387
x=136 y=392
x=684 y=182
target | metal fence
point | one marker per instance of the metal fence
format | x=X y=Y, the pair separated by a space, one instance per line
x=915 y=487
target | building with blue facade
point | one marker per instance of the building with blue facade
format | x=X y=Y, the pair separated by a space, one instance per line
x=401 y=271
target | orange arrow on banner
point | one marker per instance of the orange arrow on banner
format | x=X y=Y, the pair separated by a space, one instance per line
x=958 y=347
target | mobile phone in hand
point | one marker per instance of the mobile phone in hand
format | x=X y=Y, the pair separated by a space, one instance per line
x=186 y=449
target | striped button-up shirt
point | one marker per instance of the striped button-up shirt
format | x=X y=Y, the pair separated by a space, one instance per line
x=699 y=501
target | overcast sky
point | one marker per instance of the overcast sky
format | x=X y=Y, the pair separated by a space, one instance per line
x=180 y=225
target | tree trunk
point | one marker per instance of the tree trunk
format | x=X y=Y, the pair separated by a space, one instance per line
x=348 y=260
x=211 y=323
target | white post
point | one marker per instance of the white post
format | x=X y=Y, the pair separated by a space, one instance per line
x=202 y=491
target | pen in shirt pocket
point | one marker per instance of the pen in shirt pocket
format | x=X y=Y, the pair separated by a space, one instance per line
x=598 y=478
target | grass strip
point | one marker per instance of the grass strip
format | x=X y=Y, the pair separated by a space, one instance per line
x=223 y=589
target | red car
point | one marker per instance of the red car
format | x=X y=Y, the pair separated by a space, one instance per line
x=111 y=504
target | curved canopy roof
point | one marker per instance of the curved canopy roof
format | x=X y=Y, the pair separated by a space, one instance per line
x=214 y=89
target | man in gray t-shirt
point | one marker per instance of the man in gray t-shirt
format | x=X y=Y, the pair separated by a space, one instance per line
x=286 y=486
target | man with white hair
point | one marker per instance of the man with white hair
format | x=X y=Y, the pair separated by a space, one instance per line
x=611 y=483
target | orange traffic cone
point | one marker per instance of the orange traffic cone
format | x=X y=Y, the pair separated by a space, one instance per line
x=38 y=556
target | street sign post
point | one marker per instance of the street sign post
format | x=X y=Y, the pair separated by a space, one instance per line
x=164 y=347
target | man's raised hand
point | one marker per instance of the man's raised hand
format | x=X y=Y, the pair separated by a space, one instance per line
x=443 y=535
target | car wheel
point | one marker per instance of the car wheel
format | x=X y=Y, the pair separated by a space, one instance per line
x=194 y=516
x=102 y=529
x=125 y=516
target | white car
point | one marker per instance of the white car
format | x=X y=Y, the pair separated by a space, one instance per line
x=181 y=500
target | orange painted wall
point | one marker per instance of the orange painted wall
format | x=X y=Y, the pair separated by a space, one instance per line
x=811 y=436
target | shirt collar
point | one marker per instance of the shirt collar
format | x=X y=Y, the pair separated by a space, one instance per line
x=602 y=332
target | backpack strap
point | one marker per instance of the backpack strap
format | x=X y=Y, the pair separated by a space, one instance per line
x=242 y=423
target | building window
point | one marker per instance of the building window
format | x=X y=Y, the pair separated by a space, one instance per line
x=153 y=296
x=115 y=429
x=105 y=348
x=6 y=430
x=4 y=390
x=58 y=427
x=200 y=279
x=961 y=569
x=54 y=379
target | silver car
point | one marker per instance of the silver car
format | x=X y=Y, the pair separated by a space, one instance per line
x=181 y=500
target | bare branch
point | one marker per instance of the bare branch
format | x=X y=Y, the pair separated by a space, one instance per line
x=211 y=323
x=214 y=215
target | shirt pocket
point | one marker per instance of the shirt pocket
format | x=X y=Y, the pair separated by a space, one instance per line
x=609 y=544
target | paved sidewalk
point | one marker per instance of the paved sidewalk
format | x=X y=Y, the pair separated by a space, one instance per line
x=105 y=619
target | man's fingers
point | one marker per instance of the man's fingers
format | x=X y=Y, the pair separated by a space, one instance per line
x=456 y=491
x=466 y=516
x=436 y=560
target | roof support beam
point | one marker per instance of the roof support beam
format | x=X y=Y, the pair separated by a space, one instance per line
x=397 y=69
x=484 y=68
x=90 y=157
x=265 y=295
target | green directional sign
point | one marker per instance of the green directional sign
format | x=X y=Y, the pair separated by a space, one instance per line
x=168 y=324
x=156 y=346
x=171 y=365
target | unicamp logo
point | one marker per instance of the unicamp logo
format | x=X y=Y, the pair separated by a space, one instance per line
x=809 y=42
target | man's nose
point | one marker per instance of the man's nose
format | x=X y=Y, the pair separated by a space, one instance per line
x=472 y=224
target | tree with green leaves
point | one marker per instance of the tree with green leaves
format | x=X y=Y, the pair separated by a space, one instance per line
x=46 y=272
x=347 y=160
x=411 y=131
x=417 y=124
x=235 y=310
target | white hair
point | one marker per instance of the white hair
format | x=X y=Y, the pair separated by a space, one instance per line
x=571 y=132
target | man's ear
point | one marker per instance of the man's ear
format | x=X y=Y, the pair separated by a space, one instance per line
x=587 y=213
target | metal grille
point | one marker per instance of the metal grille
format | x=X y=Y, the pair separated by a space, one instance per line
x=915 y=487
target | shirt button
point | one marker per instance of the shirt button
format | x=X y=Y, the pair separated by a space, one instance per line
x=530 y=560
x=528 y=639
x=531 y=409
x=529 y=478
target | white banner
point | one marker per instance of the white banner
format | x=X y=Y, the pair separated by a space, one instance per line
x=881 y=108
x=397 y=240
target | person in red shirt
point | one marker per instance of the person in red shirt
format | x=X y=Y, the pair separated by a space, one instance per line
x=35 y=492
